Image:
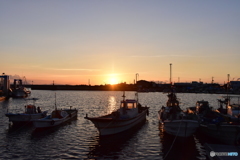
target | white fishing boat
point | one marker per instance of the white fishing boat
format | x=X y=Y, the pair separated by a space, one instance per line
x=130 y=114
x=56 y=118
x=181 y=128
x=174 y=120
x=31 y=113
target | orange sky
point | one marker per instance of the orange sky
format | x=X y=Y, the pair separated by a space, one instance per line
x=109 y=42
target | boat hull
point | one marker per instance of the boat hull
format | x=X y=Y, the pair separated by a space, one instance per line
x=24 y=118
x=20 y=93
x=180 y=128
x=225 y=133
x=110 y=126
x=48 y=122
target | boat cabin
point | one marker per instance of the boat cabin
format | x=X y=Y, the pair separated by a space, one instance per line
x=129 y=104
x=59 y=114
x=128 y=108
x=172 y=101
x=202 y=106
x=30 y=109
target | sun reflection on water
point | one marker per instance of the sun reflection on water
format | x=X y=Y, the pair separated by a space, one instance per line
x=112 y=104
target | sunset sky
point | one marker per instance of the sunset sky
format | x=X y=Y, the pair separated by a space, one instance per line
x=109 y=41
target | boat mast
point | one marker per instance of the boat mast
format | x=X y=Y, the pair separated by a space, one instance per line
x=171 y=84
x=228 y=100
x=55 y=102
x=123 y=96
x=137 y=75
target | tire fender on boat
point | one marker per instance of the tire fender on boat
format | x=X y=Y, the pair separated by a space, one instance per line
x=52 y=122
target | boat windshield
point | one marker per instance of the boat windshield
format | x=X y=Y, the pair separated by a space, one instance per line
x=128 y=104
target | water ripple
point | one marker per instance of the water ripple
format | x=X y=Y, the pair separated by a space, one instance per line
x=79 y=139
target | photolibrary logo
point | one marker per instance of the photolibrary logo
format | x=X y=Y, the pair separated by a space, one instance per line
x=212 y=153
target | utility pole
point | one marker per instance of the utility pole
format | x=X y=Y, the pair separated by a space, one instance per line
x=137 y=76
x=170 y=73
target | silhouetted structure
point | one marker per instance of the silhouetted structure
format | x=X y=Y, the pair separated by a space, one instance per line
x=149 y=86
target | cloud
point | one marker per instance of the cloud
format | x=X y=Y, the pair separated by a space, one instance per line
x=159 y=56
x=179 y=55
x=74 y=69
x=143 y=56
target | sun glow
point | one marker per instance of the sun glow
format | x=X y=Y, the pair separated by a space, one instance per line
x=113 y=79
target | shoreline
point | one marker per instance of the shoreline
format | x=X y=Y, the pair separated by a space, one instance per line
x=125 y=87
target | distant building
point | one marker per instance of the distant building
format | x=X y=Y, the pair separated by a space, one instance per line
x=235 y=85
x=182 y=84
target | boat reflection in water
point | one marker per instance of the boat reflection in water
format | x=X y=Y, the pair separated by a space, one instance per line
x=174 y=147
x=111 y=146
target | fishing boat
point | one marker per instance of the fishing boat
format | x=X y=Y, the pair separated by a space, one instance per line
x=222 y=124
x=201 y=108
x=18 y=90
x=221 y=127
x=231 y=109
x=31 y=113
x=218 y=124
x=222 y=131
x=175 y=121
x=130 y=114
x=57 y=117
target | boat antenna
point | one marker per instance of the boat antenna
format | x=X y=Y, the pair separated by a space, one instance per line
x=228 y=86
x=123 y=96
x=171 y=85
x=55 y=102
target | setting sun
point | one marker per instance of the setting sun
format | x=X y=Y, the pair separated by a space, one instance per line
x=113 y=79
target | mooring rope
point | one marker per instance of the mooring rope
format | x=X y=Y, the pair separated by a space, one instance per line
x=174 y=140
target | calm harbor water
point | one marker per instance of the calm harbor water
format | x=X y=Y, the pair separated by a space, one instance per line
x=79 y=139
